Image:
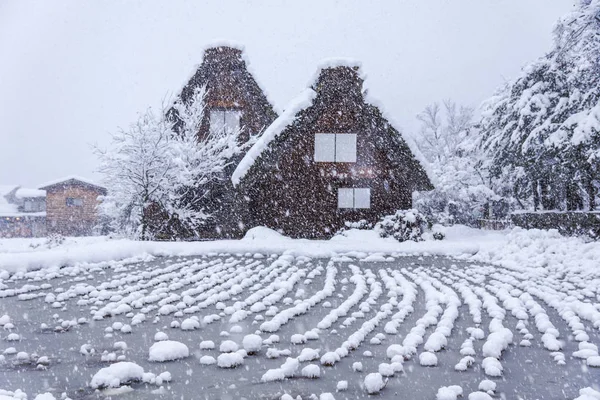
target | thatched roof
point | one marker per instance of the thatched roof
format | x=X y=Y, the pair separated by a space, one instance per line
x=224 y=72
x=338 y=84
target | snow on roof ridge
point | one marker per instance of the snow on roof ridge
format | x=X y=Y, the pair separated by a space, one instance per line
x=234 y=45
x=29 y=192
x=6 y=189
x=68 y=178
x=301 y=102
x=224 y=43
x=335 y=62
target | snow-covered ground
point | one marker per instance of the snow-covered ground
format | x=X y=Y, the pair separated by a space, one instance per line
x=480 y=315
x=28 y=254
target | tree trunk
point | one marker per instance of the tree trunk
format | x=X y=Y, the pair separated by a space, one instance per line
x=536 y=195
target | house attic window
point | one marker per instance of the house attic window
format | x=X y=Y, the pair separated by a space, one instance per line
x=224 y=121
x=335 y=147
x=74 y=202
x=354 y=198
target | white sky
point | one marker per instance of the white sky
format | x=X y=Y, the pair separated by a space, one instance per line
x=71 y=72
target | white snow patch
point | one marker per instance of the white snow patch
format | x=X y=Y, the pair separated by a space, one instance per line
x=449 y=392
x=117 y=374
x=168 y=350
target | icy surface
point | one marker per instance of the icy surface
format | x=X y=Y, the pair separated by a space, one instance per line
x=383 y=317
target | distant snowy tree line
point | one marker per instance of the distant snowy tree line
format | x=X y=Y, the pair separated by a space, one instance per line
x=537 y=144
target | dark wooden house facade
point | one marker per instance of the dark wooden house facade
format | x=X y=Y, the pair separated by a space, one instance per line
x=331 y=158
x=233 y=100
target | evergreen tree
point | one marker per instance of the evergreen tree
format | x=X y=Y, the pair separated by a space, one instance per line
x=541 y=133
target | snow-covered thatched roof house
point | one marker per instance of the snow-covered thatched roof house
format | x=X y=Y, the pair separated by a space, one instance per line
x=234 y=99
x=234 y=102
x=331 y=157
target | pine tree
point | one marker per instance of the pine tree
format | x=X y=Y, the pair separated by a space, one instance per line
x=541 y=133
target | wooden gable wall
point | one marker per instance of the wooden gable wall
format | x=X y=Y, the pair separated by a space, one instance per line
x=289 y=191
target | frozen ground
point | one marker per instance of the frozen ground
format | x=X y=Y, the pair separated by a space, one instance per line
x=430 y=325
x=511 y=315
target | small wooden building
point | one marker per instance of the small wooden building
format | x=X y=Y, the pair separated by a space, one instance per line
x=22 y=212
x=71 y=206
x=234 y=101
x=331 y=157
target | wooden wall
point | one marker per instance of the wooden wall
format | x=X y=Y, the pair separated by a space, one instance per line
x=71 y=220
x=292 y=193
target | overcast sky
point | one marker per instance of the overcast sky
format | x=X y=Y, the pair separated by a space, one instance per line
x=72 y=72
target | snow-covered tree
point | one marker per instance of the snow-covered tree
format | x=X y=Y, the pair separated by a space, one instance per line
x=159 y=172
x=541 y=133
x=137 y=168
x=199 y=161
x=443 y=130
x=448 y=140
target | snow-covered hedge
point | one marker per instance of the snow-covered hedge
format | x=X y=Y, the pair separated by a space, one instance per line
x=403 y=225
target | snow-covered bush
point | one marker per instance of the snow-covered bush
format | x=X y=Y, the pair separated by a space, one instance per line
x=362 y=224
x=54 y=240
x=403 y=225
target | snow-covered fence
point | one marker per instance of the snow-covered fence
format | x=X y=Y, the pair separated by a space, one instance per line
x=567 y=222
x=495 y=224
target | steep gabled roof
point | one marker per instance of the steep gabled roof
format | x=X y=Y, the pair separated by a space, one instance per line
x=302 y=102
x=72 y=180
x=7 y=208
x=226 y=75
x=332 y=76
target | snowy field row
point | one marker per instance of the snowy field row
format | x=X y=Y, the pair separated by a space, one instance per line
x=518 y=319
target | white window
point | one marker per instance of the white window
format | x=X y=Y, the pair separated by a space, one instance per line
x=362 y=198
x=345 y=147
x=224 y=121
x=345 y=198
x=354 y=198
x=335 y=147
x=325 y=147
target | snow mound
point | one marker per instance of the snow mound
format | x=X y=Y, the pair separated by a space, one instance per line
x=45 y=396
x=449 y=392
x=230 y=360
x=117 y=374
x=168 y=350
x=311 y=371
x=228 y=346
x=588 y=394
x=252 y=343
x=428 y=359
x=480 y=396
x=262 y=233
x=207 y=360
x=492 y=366
x=374 y=383
x=207 y=345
